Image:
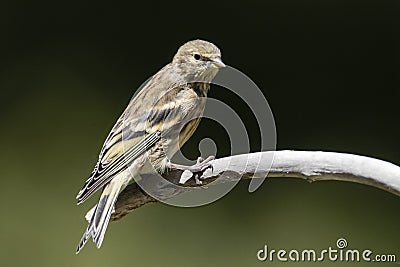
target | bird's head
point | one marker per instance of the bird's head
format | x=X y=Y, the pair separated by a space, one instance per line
x=199 y=58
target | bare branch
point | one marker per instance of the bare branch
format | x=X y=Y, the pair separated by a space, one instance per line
x=309 y=165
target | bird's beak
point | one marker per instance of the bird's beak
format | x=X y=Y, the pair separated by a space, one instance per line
x=218 y=62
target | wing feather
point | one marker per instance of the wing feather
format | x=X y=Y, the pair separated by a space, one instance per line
x=102 y=174
x=138 y=134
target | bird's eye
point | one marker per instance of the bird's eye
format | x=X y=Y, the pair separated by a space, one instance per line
x=196 y=56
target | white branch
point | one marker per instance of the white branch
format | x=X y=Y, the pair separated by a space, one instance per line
x=309 y=165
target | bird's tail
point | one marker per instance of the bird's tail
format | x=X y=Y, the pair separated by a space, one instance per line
x=101 y=215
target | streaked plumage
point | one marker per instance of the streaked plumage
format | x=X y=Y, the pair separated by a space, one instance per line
x=158 y=120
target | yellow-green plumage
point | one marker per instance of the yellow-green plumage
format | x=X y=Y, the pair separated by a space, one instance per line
x=169 y=105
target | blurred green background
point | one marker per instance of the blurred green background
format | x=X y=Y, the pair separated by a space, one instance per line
x=329 y=69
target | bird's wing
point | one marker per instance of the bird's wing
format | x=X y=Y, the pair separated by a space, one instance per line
x=132 y=137
x=116 y=158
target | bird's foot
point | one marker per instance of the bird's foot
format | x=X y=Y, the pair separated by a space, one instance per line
x=197 y=169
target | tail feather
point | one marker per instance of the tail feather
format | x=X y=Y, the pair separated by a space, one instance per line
x=84 y=239
x=90 y=213
x=102 y=213
x=105 y=217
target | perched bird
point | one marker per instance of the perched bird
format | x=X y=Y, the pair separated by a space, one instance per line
x=155 y=124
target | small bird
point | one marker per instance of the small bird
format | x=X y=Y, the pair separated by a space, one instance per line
x=155 y=124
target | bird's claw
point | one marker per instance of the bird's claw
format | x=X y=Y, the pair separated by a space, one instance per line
x=197 y=169
x=202 y=165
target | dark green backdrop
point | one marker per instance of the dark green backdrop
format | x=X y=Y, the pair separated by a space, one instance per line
x=329 y=69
